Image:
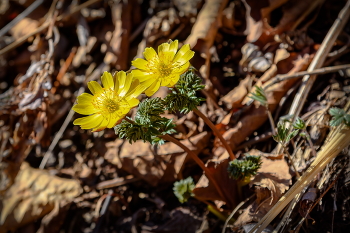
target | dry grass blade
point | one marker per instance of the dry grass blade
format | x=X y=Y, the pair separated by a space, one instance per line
x=332 y=147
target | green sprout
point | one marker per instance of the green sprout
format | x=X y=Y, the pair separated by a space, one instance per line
x=259 y=96
x=183 y=189
x=247 y=167
x=284 y=134
x=299 y=124
x=339 y=116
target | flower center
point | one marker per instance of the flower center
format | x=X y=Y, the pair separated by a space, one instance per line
x=164 y=69
x=110 y=105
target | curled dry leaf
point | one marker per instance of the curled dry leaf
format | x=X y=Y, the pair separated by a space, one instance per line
x=271 y=181
x=163 y=165
x=32 y=196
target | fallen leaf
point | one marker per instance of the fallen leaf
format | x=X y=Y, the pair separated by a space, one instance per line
x=206 y=190
x=34 y=194
x=163 y=165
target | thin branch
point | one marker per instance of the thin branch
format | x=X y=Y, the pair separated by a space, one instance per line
x=216 y=132
x=324 y=70
x=21 y=16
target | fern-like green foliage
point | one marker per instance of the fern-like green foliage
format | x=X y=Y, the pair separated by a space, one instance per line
x=339 y=116
x=148 y=124
x=248 y=166
x=149 y=111
x=183 y=97
x=259 y=96
x=183 y=189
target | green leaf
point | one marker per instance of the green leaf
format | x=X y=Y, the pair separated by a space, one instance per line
x=299 y=124
x=259 y=96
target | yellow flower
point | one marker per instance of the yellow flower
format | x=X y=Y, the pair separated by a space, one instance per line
x=164 y=68
x=108 y=105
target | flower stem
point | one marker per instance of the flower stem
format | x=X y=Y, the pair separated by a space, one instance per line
x=216 y=132
x=197 y=160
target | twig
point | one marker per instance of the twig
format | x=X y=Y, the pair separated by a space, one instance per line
x=58 y=135
x=216 y=132
x=324 y=70
x=19 y=17
x=103 y=211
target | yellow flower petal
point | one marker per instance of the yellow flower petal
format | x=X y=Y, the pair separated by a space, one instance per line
x=127 y=84
x=150 y=53
x=163 y=48
x=173 y=80
x=107 y=80
x=94 y=87
x=140 y=63
x=174 y=46
x=85 y=109
x=112 y=122
x=121 y=76
x=181 y=52
x=85 y=98
x=133 y=102
x=141 y=75
x=182 y=69
x=153 y=88
x=185 y=58
x=89 y=122
x=101 y=126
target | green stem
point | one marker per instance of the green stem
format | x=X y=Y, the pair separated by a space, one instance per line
x=216 y=132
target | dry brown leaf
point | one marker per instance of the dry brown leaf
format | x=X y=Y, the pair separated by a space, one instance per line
x=204 y=32
x=271 y=181
x=164 y=165
x=256 y=115
x=206 y=191
x=33 y=195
